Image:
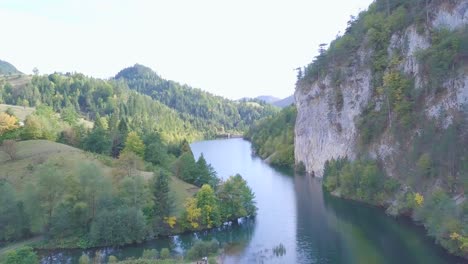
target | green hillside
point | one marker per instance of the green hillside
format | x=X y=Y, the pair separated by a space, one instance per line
x=206 y=112
x=44 y=162
x=90 y=98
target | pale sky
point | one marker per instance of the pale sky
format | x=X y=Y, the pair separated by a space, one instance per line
x=241 y=48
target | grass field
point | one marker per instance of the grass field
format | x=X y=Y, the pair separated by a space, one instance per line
x=33 y=153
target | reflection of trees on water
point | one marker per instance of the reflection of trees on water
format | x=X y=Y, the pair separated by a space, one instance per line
x=233 y=236
x=371 y=236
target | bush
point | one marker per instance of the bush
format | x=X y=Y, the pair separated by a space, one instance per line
x=165 y=253
x=150 y=254
x=84 y=259
x=24 y=255
x=113 y=259
x=203 y=249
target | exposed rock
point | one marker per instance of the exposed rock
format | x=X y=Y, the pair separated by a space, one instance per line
x=324 y=132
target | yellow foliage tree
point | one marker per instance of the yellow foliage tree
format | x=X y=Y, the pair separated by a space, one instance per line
x=463 y=241
x=419 y=199
x=7 y=123
x=192 y=212
x=171 y=221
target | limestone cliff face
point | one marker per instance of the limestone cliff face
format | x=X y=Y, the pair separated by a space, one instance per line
x=326 y=129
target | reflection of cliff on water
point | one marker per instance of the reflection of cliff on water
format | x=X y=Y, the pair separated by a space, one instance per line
x=371 y=236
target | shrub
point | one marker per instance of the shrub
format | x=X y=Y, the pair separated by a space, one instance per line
x=165 y=253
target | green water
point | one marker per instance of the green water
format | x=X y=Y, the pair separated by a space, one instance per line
x=313 y=226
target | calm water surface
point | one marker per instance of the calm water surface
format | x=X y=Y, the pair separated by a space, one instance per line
x=313 y=226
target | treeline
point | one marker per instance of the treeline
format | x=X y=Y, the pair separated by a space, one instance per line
x=208 y=113
x=273 y=137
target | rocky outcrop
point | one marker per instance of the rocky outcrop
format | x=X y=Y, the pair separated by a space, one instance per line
x=326 y=127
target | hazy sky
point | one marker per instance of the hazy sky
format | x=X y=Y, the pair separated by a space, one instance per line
x=230 y=48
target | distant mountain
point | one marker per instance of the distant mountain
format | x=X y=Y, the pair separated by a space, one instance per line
x=285 y=102
x=267 y=98
x=7 y=68
x=210 y=114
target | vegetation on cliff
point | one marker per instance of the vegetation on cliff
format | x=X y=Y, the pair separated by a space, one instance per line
x=273 y=137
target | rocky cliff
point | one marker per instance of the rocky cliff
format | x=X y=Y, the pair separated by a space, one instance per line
x=331 y=110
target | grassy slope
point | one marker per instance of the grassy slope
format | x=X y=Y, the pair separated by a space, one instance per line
x=32 y=153
x=20 y=112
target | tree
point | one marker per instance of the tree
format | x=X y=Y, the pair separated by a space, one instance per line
x=50 y=188
x=9 y=147
x=236 y=199
x=150 y=254
x=207 y=202
x=69 y=115
x=133 y=192
x=165 y=253
x=84 y=259
x=32 y=128
x=122 y=225
x=10 y=215
x=192 y=213
x=129 y=163
x=24 y=255
x=156 y=150
x=205 y=173
x=161 y=199
x=98 y=141
x=185 y=167
x=93 y=186
x=134 y=144
x=424 y=164
x=7 y=123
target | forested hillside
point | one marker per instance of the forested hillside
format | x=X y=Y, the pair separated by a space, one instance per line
x=382 y=114
x=273 y=137
x=75 y=95
x=125 y=175
x=210 y=114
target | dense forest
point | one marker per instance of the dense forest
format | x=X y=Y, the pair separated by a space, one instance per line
x=273 y=137
x=210 y=114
